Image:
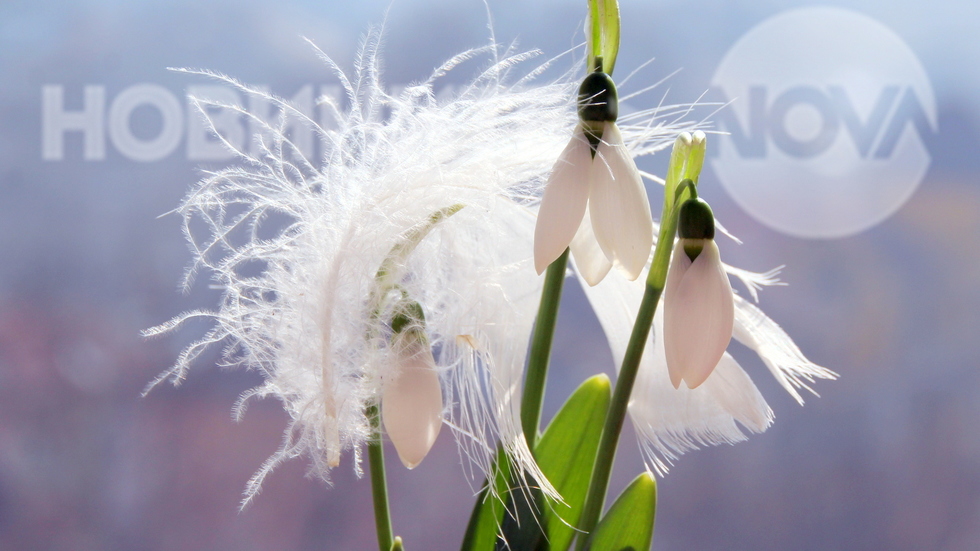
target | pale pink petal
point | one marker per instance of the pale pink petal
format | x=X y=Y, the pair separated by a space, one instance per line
x=589 y=259
x=699 y=317
x=673 y=421
x=619 y=206
x=679 y=264
x=411 y=404
x=563 y=203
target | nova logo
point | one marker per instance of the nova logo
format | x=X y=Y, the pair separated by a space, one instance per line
x=827 y=127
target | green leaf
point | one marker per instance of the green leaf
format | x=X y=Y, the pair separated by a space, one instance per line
x=488 y=512
x=628 y=525
x=566 y=454
x=603 y=37
x=522 y=525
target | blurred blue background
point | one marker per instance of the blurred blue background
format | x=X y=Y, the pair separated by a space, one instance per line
x=887 y=458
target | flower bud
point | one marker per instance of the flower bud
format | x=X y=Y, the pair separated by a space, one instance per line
x=686 y=162
x=411 y=399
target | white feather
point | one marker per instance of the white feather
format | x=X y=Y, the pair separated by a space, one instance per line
x=296 y=244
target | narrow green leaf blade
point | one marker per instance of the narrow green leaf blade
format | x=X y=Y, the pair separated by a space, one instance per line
x=488 y=512
x=522 y=521
x=566 y=454
x=628 y=525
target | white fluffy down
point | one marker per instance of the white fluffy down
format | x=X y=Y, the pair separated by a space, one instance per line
x=296 y=242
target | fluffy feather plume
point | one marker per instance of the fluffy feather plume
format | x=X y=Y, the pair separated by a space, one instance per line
x=297 y=243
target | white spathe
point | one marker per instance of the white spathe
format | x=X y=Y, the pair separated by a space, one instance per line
x=619 y=212
x=411 y=400
x=699 y=313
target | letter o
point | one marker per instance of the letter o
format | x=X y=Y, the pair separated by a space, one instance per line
x=830 y=122
x=170 y=134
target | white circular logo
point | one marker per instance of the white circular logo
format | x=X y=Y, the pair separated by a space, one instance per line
x=826 y=126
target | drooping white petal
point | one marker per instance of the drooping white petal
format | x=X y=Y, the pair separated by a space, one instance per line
x=699 y=314
x=679 y=264
x=735 y=393
x=673 y=421
x=589 y=259
x=619 y=206
x=411 y=402
x=756 y=330
x=563 y=202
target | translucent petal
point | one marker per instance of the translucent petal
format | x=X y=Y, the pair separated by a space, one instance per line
x=411 y=404
x=733 y=390
x=563 y=203
x=698 y=317
x=679 y=264
x=672 y=421
x=589 y=259
x=619 y=206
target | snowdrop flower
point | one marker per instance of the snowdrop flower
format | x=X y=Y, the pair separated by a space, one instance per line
x=411 y=399
x=440 y=194
x=699 y=307
x=671 y=421
x=596 y=171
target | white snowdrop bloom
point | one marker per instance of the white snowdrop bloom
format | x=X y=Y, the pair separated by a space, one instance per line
x=699 y=313
x=671 y=421
x=412 y=197
x=411 y=398
x=698 y=303
x=595 y=170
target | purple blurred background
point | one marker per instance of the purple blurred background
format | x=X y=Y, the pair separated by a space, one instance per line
x=887 y=458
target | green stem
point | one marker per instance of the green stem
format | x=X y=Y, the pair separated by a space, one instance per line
x=379 y=487
x=606 y=453
x=540 y=354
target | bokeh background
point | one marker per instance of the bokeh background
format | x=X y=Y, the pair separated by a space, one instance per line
x=887 y=458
